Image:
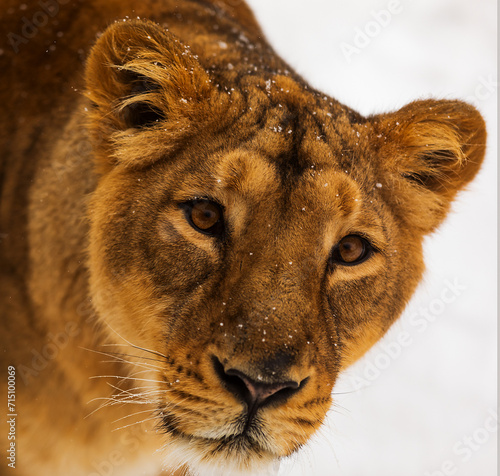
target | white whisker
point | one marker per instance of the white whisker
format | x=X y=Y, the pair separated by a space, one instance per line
x=135 y=346
x=127 y=378
x=136 y=423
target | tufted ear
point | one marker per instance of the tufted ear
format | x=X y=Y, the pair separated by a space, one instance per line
x=427 y=152
x=140 y=77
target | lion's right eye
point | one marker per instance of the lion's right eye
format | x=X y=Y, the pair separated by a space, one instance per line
x=205 y=216
x=351 y=250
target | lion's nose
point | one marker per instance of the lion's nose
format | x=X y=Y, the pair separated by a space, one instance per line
x=254 y=393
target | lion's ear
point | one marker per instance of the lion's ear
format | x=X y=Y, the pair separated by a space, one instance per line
x=139 y=76
x=426 y=152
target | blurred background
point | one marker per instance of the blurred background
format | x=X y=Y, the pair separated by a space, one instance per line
x=423 y=401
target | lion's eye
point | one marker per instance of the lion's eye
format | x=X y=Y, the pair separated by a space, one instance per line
x=204 y=216
x=351 y=250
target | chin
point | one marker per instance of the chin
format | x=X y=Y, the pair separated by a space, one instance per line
x=232 y=451
x=205 y=457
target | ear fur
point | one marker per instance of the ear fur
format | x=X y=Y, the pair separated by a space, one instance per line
x=427 y=152
x=139 y=76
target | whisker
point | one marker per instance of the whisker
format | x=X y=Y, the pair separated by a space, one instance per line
x=136 y=423
x=119 y=358
x=126 y=378
x=136 y=395
x=135 y=346
x=121 y=354
x=345 y=393
x=132 y=414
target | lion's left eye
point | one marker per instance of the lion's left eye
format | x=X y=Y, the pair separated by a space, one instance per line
x=205 y=216
x=351 y=250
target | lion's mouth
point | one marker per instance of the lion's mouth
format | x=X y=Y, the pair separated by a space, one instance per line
x=246 y=440
x=243 y=437
x=243 y=450
x=257 y=430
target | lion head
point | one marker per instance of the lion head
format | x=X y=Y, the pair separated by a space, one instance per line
x=253 y=236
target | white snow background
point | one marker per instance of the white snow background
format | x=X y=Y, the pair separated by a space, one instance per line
x=428 y=407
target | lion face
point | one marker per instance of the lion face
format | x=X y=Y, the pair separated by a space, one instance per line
x=253 y=240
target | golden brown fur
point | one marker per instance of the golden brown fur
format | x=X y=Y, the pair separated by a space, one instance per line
x=113 y=303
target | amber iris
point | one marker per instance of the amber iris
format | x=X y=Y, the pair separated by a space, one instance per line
x=351 y=250
x=205 y=216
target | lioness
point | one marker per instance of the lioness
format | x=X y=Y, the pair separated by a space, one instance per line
x=194 y=241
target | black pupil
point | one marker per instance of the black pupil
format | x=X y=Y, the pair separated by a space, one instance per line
x=348 y=247
x=209 y=214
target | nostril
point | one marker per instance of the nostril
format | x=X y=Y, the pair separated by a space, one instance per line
x=258 y=393
x=232 y=382
x=254 y=393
